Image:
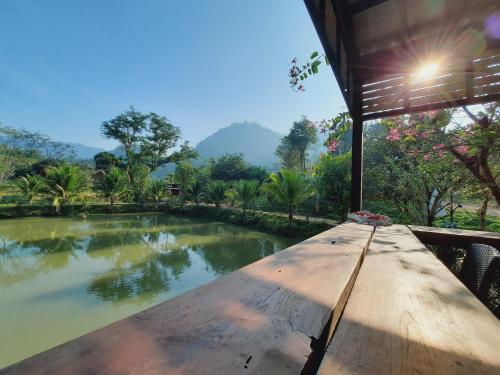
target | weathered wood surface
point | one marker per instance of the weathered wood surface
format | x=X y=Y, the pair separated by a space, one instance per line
x=454 y=237
x=407 y=314
x=258 y=320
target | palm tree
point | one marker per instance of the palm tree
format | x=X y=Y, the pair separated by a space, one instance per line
x=30 y=187
x=114 y=185
x=289 y=188
x=216 y=192
x=195 y=191
x=64 y=184
x=245 y=193
x=158 y=190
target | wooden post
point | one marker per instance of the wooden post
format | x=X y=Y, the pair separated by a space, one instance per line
x=357 y=158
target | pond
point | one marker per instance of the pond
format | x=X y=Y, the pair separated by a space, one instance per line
x=63 y=277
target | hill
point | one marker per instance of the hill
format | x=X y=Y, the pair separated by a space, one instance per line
x=84 y=151
x=256 y=142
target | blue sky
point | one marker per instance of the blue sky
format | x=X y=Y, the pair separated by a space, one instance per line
x=66 y=66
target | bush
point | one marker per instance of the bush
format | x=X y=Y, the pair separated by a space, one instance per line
x=274 y=224
x=469 y=220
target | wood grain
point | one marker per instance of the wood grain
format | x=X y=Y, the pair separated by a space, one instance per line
x=407 y=314
x=454 y=237
x=258 y=320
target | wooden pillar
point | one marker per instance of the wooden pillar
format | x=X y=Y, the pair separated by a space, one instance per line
x=357 y=161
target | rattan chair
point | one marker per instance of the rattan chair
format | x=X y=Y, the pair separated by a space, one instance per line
x=480 y=269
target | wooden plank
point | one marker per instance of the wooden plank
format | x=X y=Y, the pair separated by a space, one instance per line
x=258 y=320
x=454 y=237
x=407 y=314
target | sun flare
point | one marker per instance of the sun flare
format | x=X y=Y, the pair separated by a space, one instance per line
x=427 y=71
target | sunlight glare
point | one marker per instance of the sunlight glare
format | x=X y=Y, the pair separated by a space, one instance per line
x=427 y=71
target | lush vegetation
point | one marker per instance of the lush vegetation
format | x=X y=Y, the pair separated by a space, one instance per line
x=412 y=170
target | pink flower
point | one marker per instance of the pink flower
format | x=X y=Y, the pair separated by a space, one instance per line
x=462 y=149
x=393 y=135
x=410 y=132
x=441 y=152
x=332 y=145
x=425 y=134
x=427 y=157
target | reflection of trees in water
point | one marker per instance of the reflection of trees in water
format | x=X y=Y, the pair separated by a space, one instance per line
x=145 y=279
x=234 y=252
x=23 y=260
x=146 y=252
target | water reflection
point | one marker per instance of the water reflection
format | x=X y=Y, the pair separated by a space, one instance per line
x=135 y=257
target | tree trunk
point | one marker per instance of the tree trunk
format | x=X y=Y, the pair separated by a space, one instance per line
x=290 y=214
x=482 y=212
x=111 y=204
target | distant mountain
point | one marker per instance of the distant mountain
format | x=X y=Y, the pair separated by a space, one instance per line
x=84 y=151
x=256 y=142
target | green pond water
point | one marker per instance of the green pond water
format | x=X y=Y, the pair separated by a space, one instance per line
x=63 y=277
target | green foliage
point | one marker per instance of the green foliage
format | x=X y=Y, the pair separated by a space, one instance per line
x=289 y=188
x=114 y=185
x=469 y=220
x=195 y=191
x=246 y=192
x=228 y=167
x=64 y=184
x=140 y=181
x=278 y=225
x=292 y=150
x=147 y=139
x=158 y=190
x=216 y=192
x=104 y=161
x=184 y=176
x=30 y=187
x=332 y=176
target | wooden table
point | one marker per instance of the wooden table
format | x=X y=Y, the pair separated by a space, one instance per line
x=408 y=314
x=385 y=302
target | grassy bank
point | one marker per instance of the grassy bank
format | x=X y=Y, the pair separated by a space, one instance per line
x=265 y=222
x=13 y=211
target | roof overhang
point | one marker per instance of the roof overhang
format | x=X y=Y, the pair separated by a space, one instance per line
x=376 y=48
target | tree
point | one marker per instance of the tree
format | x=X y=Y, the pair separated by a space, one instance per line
x=333 y=180
x=293 y=147
x=161 y=136
x=195 y=191
x=290 y=188
x=246 y=192
x=17 y=151
x=256 y=173
x=158 y=190
x=184 y=176
x=127 y=129
x=146 y=139
x=228 y=167
x=216 y=192
x=64 y=184
x=30 y=187
x=104 y=161
x=288 y=156
x=140 y=181
x=114 y=185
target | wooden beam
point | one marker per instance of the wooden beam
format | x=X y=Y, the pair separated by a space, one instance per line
x=262 y=319
x=363 y=5
x=454 y=237
x=357 y=154
x=431 y=107
x=408 y=314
